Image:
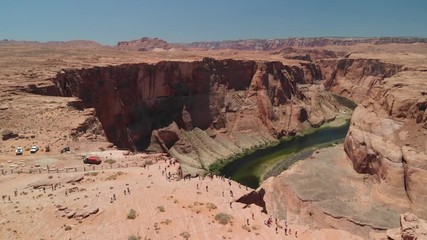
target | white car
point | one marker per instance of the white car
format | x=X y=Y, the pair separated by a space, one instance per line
x=34 y=149
x=19 y=151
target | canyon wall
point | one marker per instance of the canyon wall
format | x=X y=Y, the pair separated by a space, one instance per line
x=381 y=172
x=201 y=111
x=388 y=132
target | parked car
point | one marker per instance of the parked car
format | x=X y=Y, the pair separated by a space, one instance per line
x=34 y=149
x=19 y=151
x=92 y=160
x=65 y=149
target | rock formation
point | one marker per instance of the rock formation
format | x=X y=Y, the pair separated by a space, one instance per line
x=201 y=111
x=385 y=148
x=144 y=44
x=355 y=78
x=387 y=136
x=274 y=44
x=388 y=139
x=411 y=228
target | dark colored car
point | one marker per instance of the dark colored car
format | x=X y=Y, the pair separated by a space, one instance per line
x=92 y=160
x=65 y=149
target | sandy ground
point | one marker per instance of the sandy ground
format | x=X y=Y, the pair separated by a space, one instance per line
x=185 y=204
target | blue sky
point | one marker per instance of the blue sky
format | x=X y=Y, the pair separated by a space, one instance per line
x=108 y=21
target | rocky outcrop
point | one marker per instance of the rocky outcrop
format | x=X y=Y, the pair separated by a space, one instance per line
x=411 y=228
x=324 y=191
x=355 y=78
x=388 y=132
x=7 y=134
x=144 y=44
x=388 y=139
x=200 y=111
x=381 y=172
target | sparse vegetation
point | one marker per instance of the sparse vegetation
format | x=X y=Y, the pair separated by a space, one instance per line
x=185 y=235
x=256 y=227
x=223 y=218
x=132 y=214
x=161 y=209
x=110 y=161
x=166 y=221
x=91 y=174
x=114 y=176
x=246 y=227
x=211 y=206
x=68 y=228
x=133 y=237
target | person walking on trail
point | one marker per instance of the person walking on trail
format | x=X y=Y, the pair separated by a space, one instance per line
x=207 y=189
x=128 y=191
x=114 y=197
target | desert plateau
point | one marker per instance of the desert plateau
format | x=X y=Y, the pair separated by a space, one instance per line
x=268 y=138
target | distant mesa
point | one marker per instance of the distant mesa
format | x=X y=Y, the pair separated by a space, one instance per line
x=71 y=43
x=275 y=44
x=148 y=44
x=144 y=44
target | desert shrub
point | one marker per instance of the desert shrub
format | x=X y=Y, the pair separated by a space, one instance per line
x=223 y=218
x=110 y=161
x=149 y=162
x=185 y=235
x=133 y=237
x=161 y=208
x=256 y=227
x=211 y=206
x=166 y=222
x=246 y=227
x=67 y=228
x=131 y=214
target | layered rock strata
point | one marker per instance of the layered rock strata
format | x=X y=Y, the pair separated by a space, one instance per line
x=201 y=111
x=382 y=169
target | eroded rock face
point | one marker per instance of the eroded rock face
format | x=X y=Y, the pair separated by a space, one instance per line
x=355 y=78
x=387 y=138
x=325 y=192
x=201 y=111
x=381 y=172
x=411 y=228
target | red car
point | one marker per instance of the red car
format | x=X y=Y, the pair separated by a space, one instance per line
x=92 y=160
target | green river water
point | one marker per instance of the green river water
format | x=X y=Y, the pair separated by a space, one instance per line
x=250 y=170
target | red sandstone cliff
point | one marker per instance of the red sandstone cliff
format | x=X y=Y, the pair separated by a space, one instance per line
x=200 y=111
x=386 y=149
x=387 y=136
